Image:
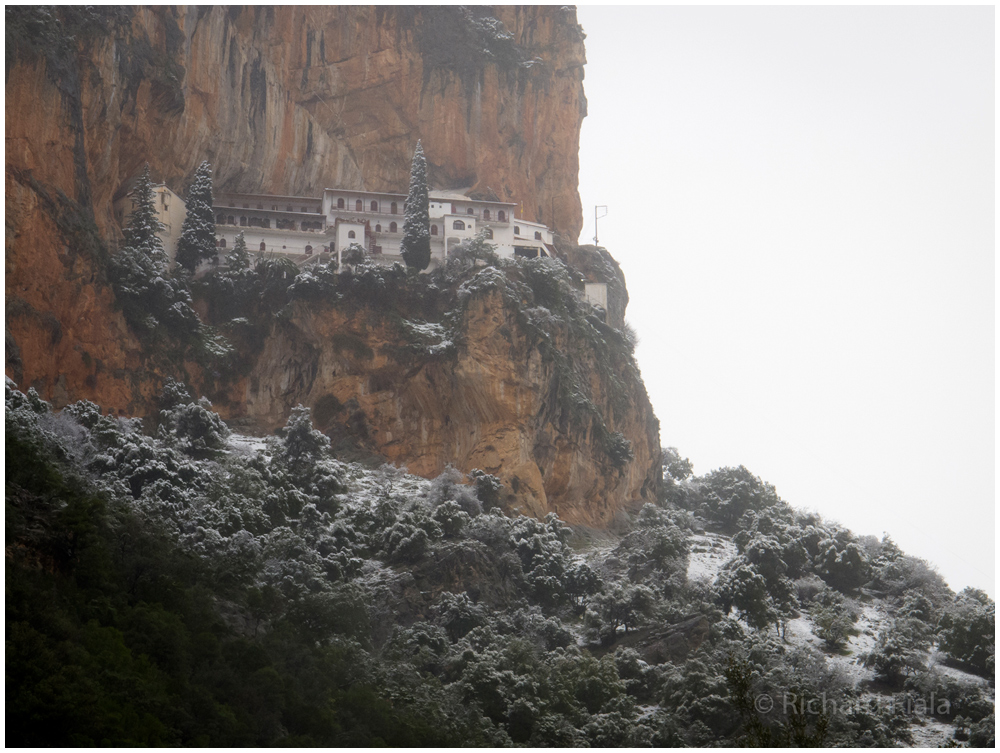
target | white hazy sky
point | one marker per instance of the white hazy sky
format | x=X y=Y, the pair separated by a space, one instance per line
x=802 y=201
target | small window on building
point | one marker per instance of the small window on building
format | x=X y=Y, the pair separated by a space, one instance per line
x=266 y=223
x=469 y=211
x=340 y=203
x=289 y=209
x=502 y=216
x=222 y=242
x=434 y=229
x=358 y=206
x=392 y=227
x=489 y=233
x=378 y=228
x=309 y=250
x=454 y=209
x=243 y=221
x=458 y=225
x=220 y=219
x=374 y=206
x=232 y=220
x=486 y=214
x=517 y=230
x=263 y=246
x=393 y=208
x=351 y=234
x=538 y=236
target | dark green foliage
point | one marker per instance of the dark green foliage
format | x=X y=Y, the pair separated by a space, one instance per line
x=197 y=241
x=194 y=428
x=730 y=492
x=149 y=297
x=488 y=488
x=281 y=598
x=968 y=628
x=899 y=650
x=833 y=617
x=845 y=567
x=619 y=449
x=799 y=729
x=477 y=249
x=415 y=247
x=675 y=466
x=465 y=40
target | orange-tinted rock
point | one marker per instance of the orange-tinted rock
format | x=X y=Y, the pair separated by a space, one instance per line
x=285 y=100
x=291 y=100
x=491 y=405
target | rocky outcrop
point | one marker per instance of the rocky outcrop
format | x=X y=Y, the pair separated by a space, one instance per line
x=289 y=100
x=539 y=412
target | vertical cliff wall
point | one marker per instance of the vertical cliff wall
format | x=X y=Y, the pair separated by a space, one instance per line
x=280 y=100
x=290 y=100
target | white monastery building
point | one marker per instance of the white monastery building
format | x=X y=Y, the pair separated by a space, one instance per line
x=308 y=229
x=300 y=227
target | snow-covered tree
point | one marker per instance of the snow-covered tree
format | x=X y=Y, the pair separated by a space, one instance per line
x=415 y=247
x=143 y=227
x=138 y=272
x=239 y=258
x=197 y=241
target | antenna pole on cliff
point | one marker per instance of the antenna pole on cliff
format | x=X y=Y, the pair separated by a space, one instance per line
x=596 y=218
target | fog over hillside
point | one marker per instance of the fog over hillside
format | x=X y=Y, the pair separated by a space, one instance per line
x=802 y=201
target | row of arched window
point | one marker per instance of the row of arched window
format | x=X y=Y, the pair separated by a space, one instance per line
x=264 y=222
x=501 y=214
x=221 y=243
x=359 y=206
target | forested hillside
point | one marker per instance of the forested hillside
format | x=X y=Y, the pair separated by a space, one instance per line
x=181 y=584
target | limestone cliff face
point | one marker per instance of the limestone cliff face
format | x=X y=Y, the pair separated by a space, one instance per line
x=497 y=399
x=285 y=100
x=290 y=100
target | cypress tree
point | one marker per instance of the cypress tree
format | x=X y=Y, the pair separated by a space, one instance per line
x=197 y=241
x=415 y=247
x=143 y=228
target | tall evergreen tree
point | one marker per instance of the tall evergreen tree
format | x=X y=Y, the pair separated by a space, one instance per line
x=143 y=228
x=148 y=296
x=197 y=241
x=416 y=244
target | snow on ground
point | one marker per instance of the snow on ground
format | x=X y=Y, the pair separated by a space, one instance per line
x=800 y=632
x=709 y=552
x=937 y=663
x=930 y=733
x=244 y=444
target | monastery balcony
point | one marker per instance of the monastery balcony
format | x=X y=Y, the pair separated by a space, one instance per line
x=272 y=209
x=366 y=210
x=283 y=224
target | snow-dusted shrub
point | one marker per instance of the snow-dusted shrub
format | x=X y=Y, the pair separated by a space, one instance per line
x=195 y=429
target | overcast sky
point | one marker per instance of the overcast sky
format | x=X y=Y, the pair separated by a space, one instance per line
x=802 y=201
